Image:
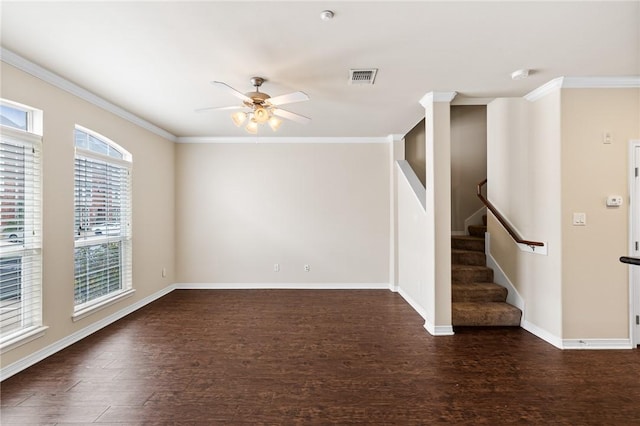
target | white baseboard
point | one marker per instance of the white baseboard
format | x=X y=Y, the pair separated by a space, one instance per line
x=415 y=305
x=282 y=286
x=438 y=330
x=543 y=334
x=38 y=356
x=499 y=277
x=596 y=344
x=434 y=330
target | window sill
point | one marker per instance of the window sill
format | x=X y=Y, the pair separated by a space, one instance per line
x=89 y=310
x=25 y=337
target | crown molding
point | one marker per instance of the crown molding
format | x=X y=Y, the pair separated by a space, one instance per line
x=15 y=60
x=544 y=90
x=432 y=97
x=275 y=139
x=396 y=137
x=461 y=100
x=623 y=82
x=620 y=82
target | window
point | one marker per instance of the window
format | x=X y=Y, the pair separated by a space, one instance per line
x=20 y=224
x=102 y=222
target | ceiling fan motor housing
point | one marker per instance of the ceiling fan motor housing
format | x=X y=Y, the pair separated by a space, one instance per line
x=258 y=98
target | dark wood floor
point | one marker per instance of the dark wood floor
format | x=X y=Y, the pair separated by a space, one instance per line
x=316 y=357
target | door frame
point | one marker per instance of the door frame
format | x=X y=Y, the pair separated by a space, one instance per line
x=634 y=235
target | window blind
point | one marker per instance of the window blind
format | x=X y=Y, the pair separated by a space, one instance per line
x=20 y=233
x=102 y=222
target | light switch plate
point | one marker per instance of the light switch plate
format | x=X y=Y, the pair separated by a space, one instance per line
x=579 y=219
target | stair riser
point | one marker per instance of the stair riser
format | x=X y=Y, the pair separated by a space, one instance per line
x=481 y=318
x=459 y=275
x=462 y=244
x=479 y=295
x=469 y=258
x=477 y=230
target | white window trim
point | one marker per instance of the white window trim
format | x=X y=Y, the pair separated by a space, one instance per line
x=34 y=119
x=33 y=136
x=24 y=336
x=96 y=305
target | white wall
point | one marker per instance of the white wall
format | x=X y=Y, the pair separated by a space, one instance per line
x=412 y=242
x=153 y=204
x=523 y=165
x=241 y=208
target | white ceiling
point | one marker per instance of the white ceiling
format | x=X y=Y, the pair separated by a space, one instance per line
x=155 y=59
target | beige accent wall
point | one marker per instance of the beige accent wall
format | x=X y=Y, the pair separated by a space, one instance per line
x=595 y=284
x=468 y=161
x=153 y=203
x=547 y=160
x=241 y=208
x=438 y=212
x=414 y=149
x=439 y=181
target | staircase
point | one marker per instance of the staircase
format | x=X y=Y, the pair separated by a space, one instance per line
x=476 y=299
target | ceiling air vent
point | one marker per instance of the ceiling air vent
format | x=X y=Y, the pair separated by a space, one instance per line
x=362 y=76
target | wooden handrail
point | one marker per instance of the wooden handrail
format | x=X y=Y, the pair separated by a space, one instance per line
x=503 y=222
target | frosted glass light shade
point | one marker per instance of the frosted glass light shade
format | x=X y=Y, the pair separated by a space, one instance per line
x=261 y=115
x=274 y=123
x=238 y=118
x=252 y=127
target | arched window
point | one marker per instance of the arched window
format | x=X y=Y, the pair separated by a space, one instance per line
x=102 y=232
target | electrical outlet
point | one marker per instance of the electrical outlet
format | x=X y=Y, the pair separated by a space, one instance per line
x=307 y=268
x=164 y=272
x=276 y=267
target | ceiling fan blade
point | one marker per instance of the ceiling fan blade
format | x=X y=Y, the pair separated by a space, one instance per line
x=289 y=98
x=291 y=116
x=229 y=89
x=218 y=108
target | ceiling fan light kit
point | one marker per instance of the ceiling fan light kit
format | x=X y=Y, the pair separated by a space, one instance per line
x=252 y=127
x=238 y=118
x=262 y=107
x=261 y=115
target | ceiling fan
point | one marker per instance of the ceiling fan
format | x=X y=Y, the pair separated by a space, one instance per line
x=259 y=108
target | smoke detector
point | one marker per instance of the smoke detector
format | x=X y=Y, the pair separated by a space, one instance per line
x=520 y=74
x=326 y=15
x=362 y=76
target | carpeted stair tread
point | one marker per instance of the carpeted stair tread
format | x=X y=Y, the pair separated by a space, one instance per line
x=475 y=299
x=485 y=313
x=467 y=242
x=477 y=230
x=478 y=292
x=471 y=274
x=468 y=257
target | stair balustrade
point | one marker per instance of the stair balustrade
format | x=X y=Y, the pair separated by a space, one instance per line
x=512 y=232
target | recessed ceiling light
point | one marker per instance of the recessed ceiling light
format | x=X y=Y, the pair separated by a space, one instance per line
x=520 y=74
x=326 y=15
